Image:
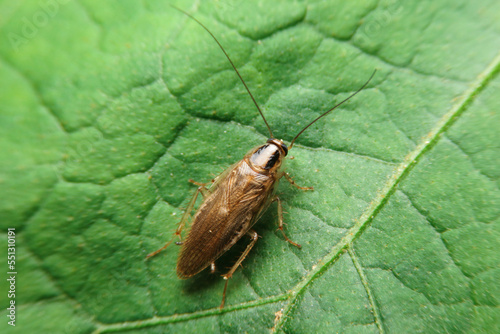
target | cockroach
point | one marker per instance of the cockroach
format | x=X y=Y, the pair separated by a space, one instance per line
x=235 y=200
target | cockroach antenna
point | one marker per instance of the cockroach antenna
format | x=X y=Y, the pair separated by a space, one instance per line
x=234 y=67
x=334 y=107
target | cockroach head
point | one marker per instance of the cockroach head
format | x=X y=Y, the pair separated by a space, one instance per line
x=268 y=156
x=280 y=144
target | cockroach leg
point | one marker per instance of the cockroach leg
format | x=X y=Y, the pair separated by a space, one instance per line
x=280 y=218
x=202 y=187
x=231 y=271
x=182 y=223
x=198 y=183
x=292 y=182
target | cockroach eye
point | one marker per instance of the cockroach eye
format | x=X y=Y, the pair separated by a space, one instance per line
x=283 y=146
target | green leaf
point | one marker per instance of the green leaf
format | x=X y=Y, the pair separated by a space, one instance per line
x=107 y=109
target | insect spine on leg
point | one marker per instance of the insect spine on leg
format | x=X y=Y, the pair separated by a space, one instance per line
x=235 y=200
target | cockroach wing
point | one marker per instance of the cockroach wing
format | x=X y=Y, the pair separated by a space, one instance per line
x=236 y=200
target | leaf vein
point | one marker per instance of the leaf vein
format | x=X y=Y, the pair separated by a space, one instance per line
x=364 y=281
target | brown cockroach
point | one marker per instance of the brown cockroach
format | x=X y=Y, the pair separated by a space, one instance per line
x=235 y=200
